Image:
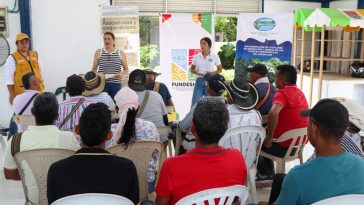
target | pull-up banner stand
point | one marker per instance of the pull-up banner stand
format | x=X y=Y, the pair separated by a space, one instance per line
x=180 y=36
x=263 y=38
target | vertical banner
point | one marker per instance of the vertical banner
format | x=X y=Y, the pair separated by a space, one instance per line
x=124 y=23
x=263 y=38
x=180 y=36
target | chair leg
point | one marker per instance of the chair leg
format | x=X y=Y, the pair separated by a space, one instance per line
x=170 y=148
x=251 y=184
x=281 y=166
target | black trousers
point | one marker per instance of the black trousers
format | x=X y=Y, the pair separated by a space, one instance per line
x=266 y=166
x=276 y=187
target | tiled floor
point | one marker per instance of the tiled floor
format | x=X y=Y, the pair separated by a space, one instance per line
x=11 y=192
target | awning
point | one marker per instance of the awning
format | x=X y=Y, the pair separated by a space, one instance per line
x=349 y=19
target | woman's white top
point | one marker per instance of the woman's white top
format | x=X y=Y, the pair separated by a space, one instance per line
x=206 y=64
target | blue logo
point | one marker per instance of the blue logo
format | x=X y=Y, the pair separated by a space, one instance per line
x=264 y=24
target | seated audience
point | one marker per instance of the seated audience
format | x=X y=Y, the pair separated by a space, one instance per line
x=159 y=87
x=94 y=86
x=130 y=128
x=288 y=102
x=92 y=169
x=71 y=109
x=206 y=166
x=43 y=135
x=333 y=173
x=23 y=103
x=258 y=76
x=152 y=107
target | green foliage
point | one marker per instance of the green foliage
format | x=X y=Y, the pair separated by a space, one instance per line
x=241 y=66
x=149 y=56
x=227 y=56
x=228 y=26
x=228 y=74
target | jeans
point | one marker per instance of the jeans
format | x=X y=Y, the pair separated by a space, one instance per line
x=13 y=128
x=200 y=90
x=112 y=89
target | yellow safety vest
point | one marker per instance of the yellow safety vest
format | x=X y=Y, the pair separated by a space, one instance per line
x=23 y=66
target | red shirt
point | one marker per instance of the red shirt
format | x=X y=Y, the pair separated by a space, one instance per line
x=200 y=169
x=293 y=101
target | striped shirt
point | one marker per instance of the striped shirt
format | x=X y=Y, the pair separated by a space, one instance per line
x=103 y=98
x=110 y=63
x=349 y=146
x=65 y=108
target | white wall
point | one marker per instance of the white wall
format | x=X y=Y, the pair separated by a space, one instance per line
x=14 y=28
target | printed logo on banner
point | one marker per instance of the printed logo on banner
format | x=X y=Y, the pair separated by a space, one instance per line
x=264 y=24
x=181 y=62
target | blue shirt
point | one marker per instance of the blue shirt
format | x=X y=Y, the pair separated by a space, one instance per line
x=322 y=178
x=262 y=90
x=163 y=91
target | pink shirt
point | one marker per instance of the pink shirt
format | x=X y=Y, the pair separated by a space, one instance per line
x=21 y=100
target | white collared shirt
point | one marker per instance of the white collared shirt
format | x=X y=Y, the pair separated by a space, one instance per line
x=9 y=69
x=207 y=64
x=262 y=80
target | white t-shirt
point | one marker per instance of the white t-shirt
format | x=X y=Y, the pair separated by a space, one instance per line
x=208 y=64
x=155 y=108
x=103 y=98
x=239 y=117
x=38 y=137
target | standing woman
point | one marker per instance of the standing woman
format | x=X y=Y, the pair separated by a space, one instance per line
x=203 y=65
x=112 y=61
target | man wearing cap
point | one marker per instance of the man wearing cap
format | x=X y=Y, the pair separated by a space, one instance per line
x=288 y=102
x=94 y=86
x=71 y=109
x=152 y=107
x=258 y=76
x=17 y=64
x=333 y=172
x=159 y=87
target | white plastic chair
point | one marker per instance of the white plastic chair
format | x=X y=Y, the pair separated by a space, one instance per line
x=227 y=194
x=350 y=199
x=140 y=153
x=248 y=140
x=39 y=161
x=299 y=137
x=93 y=199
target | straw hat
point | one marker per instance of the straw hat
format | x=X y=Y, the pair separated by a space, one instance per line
x=94 y=83
x=356 y=111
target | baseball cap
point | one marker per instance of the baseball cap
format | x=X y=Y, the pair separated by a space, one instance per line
x=213 y=82
x=75 y=82
x=260 y=69
x=137 y=80
x=21 y=36
x=329 y=113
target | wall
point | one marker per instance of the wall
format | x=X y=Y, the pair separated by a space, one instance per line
x=276 y=6
x=14 y=28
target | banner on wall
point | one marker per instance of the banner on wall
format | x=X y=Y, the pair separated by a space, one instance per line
x=124 y=23
x=263 y=38
x=180 y=36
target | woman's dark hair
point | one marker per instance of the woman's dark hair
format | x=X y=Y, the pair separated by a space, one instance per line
x=110 y=34
x=26 y=79
x=207 y=40
x=128 y=132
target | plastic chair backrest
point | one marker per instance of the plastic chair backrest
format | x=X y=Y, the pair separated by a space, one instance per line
x=299 y=140
x=165 y=133
x=227 y=194
x=93 y=199
x=140 y=153
x=39 y=161
x=248 y=140
x=352 y=199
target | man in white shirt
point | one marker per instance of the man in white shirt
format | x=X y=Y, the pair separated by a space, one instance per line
x=23 y=103
x=43 y=135
x=155 y=109
x=94 y=86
